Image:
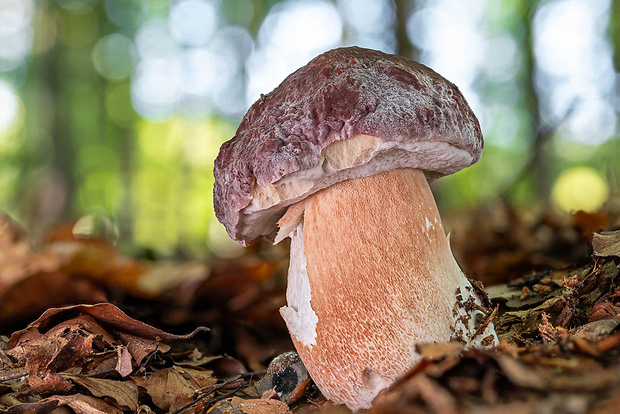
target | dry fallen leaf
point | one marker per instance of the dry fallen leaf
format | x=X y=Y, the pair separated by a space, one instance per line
x=107 y=315
x=607 y=243
x=40 y=291
x=85 y=404
x=237 y=405
x=595 y=331
x=66 y=347
x=17 y=261
x=175 y=386
x=123 y=393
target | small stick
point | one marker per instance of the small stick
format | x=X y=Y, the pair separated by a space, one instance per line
x=486 y=323
x=211 y=390
x=13 y=374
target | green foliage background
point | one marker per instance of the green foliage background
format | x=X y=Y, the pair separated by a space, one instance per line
x=79 y=149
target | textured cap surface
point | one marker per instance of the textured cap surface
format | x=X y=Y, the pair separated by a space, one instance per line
x=418 y=118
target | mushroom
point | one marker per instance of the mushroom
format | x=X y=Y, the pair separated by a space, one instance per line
x=338 y=158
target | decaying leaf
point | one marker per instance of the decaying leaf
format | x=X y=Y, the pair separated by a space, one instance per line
x=70 y=268
x=17 y=260
x=175 y=386
x=237 y=405
x=45 y=383
x=140 y=347
x=85 y=404
x=17 y=407
x=607 y=243
x=106 y=315
x=87 y=340
x=66 y=347
x=78 y=403
x=124 y=393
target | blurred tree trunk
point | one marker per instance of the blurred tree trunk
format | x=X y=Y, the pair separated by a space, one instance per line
x=122 y=138
x=536 y=167
x=614 y=32
x=63 y=154
x=540 y=133
x=404 y=8
x=49 y=183
x=119 y=134
x=614 y=145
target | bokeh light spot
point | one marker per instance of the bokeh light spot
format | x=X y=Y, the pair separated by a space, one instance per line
x=506 y=60
x=192 y=22
x=10 y=113
x=14 y=15
x=292 y=33
x=576 y=66
x=369 y=23
x=156 y=87
x=13 y=50
x=153 y=40
x=113 y=56
x=124 y=13
x=15 y=33
x=305 y=28
x=580 y=188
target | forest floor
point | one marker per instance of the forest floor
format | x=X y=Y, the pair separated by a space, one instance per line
x=86 y=329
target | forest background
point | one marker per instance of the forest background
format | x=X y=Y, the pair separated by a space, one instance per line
x=112 y=111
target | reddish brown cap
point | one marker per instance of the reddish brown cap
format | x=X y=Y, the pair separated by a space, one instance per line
x=408 y=115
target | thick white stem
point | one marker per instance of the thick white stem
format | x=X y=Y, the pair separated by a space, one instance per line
x=371 y=276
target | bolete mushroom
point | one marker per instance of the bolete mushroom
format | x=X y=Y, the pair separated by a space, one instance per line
x=338 y=158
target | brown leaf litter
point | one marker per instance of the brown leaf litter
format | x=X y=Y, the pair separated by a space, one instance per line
x=559 y=350
x=94 y=358
x=554 y=287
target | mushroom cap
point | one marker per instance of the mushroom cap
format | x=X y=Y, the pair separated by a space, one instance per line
x=398 y=112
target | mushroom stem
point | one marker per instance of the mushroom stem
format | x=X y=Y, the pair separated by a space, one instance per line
x=372 y=275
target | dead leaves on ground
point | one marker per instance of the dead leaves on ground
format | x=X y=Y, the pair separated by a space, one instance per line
x=507 y=380
x=559 y=350
x=95 y=358
x=66 y=269
x=558 y=318
x=496 y=243
x=239 y=299
x=607 y=243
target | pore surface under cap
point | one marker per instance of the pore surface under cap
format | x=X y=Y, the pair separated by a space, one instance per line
x=338 y=95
